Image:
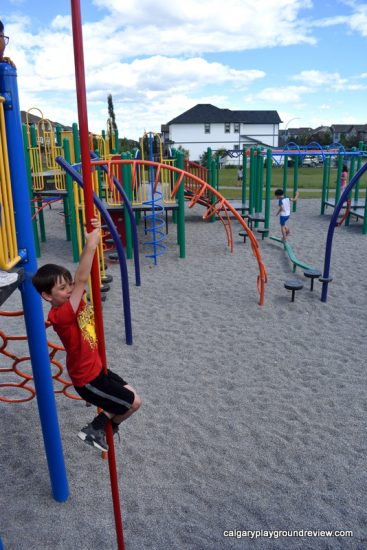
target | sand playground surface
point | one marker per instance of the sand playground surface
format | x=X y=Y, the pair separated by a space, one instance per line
x=253 y=418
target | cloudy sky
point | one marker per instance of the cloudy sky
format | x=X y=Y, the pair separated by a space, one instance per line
x=303 y=58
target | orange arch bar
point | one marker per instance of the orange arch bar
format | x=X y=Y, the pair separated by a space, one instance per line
x=202 y=188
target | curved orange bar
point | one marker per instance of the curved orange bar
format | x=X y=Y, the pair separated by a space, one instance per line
x=202 y=186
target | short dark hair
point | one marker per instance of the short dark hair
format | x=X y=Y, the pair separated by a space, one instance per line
x=278 y=192
x=47 y=276
x=1 y=26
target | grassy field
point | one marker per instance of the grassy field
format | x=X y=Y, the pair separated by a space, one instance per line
x=308 y=178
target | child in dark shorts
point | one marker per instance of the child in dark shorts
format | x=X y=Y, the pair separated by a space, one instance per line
x=73 y=320
x=284 y=210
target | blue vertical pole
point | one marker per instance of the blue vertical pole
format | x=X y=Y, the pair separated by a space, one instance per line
x=32 y=306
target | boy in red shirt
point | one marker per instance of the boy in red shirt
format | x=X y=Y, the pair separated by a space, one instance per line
x=73 y=320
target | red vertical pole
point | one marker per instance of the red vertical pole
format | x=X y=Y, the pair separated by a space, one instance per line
x=89 y=213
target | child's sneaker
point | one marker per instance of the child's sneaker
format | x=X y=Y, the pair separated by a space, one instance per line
x=7 y=278
x=96 y=438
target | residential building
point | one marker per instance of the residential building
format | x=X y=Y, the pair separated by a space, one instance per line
x=348 y=131
x=206 y=126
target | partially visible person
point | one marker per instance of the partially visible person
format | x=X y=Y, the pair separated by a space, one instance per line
x=4 y=40
x=284 y=211
x=344 y=178
x=239 y=173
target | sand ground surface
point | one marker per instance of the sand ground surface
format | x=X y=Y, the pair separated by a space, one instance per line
x=253 y=418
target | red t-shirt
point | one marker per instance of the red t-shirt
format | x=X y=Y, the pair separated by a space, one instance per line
x=76 y=331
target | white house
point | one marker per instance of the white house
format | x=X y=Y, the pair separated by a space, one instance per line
x=206 y=126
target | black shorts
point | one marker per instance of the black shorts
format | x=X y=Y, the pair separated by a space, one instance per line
x=108 y=392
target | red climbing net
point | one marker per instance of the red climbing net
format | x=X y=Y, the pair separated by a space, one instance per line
x=18 y=386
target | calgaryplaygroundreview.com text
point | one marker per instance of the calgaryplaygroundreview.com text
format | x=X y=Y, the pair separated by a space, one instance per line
x=279 y=533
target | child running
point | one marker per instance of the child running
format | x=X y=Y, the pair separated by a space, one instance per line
x=73 y=321
x=284 y=211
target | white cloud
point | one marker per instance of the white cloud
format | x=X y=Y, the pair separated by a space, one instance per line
x=281 y=94
x=356 y=21
x=329 y=81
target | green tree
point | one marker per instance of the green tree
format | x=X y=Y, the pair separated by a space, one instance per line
x=204 y=159
x=185 y=152
x=111 y=121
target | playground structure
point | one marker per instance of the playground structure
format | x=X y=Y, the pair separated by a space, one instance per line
x=138 y=179
x=21 y=252
x=257 y=161
x=330 y=195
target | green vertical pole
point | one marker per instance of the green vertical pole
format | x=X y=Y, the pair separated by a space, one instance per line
x=71 y=204
x=339 y=176
x=269 y=163
x=244 y=177
x=324 y=184
x=41 y=221
x=33 y=136
x=211 y=177
x=295 y=182
x=117 y=144
x=259 y=181
x=58 y=136
x=76 y=141
x=261 y=178
x=67 y=218
x=215 y=173
x=351 y=174
x=126 y=183
x=285 y=174
x=252 y=180
x=352 y=171
x=30 y=187
x=174 y=156
x=209 y=164
x=181 y=208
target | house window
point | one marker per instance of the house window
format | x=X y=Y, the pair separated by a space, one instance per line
x=207 y=128
x=227 y=127
x=236 y=147
x=236 y=127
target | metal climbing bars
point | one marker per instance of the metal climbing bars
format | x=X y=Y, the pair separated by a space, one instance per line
x=199 y=192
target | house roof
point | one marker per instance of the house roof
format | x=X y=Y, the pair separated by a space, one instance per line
x=341 y=127
x=206 y=113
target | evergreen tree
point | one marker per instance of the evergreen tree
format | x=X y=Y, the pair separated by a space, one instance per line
x=111 y=122
x=111 y=113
